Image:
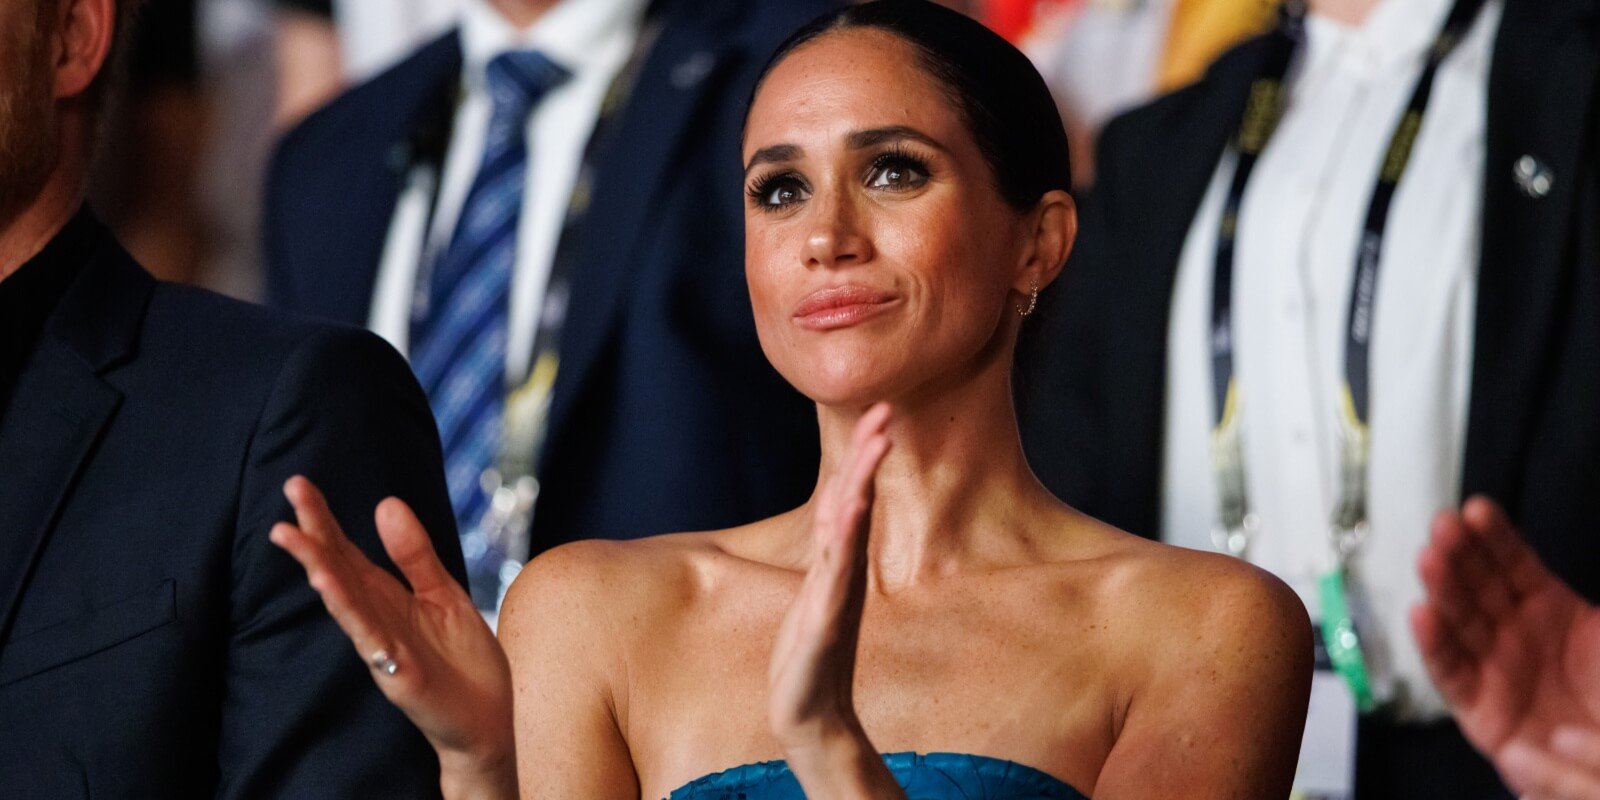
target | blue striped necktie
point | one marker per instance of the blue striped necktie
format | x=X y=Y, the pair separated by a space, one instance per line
x=459 y=324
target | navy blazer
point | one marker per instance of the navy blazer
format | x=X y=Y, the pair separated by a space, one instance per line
x=666 y=415
x=153 y=642
x=1093 y=398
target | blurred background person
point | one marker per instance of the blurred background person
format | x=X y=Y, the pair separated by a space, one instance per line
x=377 y=34
x=145 y=183
x=211 y=86
x=1515 y=651
x=1103 y=57
x=1348 y=278
x=324 y=46
x=541 y=207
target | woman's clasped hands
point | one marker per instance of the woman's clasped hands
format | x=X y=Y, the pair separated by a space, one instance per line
x=434 y=657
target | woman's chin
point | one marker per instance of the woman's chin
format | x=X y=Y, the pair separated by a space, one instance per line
x=847 y=391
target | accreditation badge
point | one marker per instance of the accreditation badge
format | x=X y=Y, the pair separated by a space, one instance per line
x=1354 y=648
x=1327 y=765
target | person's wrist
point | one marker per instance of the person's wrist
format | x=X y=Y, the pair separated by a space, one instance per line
x=484 y=775
x=835 y=760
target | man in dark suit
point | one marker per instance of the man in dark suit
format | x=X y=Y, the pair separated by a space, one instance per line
x=1513 y=380
x=153 y=642
x=626 y=265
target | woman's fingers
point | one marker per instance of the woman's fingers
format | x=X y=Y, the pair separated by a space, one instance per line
x=1448 y=592
x=1488 y=524
x=1548 y=774
x=857 y=501
x=332 y=584
x=311 y=510
x=1579 y=746
x=873 y=421
x=1449 y=664
x=409 y=547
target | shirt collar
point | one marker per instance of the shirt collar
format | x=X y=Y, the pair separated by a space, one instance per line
x=578 y=35
x=1394 y=31
x=30 y=294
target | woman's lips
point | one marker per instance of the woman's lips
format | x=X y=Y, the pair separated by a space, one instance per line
x=841 y=307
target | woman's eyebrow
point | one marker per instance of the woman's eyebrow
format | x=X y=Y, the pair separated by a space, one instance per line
x=773 y=154
x=875 y=136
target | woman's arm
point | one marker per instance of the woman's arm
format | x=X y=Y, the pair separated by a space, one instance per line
x=1221 y=703
x=565 y=659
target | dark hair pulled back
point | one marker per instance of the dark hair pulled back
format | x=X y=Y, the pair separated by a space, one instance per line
x=1007 y=106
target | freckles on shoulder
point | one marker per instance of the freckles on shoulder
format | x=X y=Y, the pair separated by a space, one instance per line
x=575 y=586
x=1224 y=615
x=1259 y=625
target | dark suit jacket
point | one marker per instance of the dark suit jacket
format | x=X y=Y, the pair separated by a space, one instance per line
x=153 y=642
x=1093 y=376
x=666 y=415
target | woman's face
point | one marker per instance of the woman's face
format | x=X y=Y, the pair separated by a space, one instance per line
x=879 y=253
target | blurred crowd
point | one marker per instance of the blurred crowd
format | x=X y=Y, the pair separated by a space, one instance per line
x=214 y=83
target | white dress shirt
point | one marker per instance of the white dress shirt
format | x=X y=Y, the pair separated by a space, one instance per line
x=1301 y=219
x=592 y=40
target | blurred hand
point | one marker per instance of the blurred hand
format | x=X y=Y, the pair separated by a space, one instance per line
x=810 y=704
x=1514 y=651
x=1569 y=769
x=450 y=675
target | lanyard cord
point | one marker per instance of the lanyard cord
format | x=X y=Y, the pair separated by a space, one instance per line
x=1237 y=524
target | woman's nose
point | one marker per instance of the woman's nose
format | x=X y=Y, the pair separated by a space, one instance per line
x=837 y=239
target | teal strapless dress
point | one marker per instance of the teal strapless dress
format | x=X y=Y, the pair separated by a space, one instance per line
x=931 y=776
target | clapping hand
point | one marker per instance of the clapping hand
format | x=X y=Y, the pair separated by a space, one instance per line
x=1515 y=652
x=811 y=706
x=428 y=648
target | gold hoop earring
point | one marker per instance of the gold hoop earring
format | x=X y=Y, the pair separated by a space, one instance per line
x=1033 y=302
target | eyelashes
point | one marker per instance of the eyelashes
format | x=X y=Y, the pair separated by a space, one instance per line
x=897 y=170
x=776 y=191
x=894 y=170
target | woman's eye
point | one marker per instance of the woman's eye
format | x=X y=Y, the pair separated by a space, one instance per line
x=783 y=195
x=896 y=173
x=780 y=193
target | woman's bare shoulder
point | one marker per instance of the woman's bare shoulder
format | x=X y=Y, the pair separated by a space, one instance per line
x=1176 y=593
x=621 y=585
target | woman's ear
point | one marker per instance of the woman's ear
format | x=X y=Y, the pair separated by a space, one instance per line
x=1055 y=228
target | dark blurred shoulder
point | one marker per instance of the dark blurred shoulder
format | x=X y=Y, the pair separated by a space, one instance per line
x=382 y=108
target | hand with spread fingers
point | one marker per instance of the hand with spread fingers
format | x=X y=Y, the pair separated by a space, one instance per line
x=428 y=648
x=1515 y=652
x=811 y=705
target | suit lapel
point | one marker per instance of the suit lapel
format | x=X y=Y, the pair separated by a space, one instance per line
x=1541 y=93
x=405 y=123
x=60 y=407
x=633 y=168
x=1169 y=164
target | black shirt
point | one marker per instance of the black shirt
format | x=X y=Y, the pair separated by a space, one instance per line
x=29 y=295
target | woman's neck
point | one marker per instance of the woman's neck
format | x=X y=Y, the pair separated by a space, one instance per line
x=954 y=485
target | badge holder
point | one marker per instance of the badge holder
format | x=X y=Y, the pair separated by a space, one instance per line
x=1347 y=627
